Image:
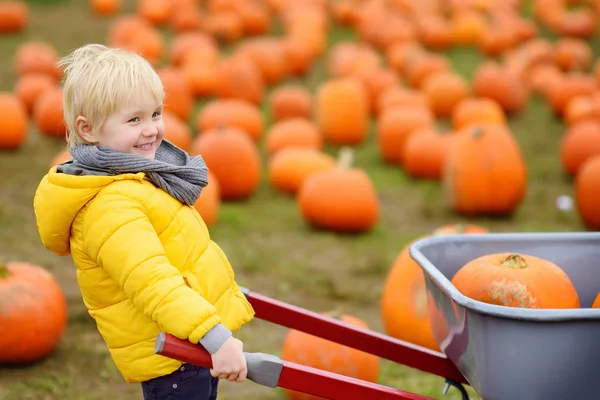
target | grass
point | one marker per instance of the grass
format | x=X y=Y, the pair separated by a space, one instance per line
x=273 y=251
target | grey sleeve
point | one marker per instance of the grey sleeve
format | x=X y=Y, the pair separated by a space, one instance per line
x=214 y=338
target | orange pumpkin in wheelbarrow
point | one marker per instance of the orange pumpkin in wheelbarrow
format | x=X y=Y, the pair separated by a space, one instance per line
x=516 y=280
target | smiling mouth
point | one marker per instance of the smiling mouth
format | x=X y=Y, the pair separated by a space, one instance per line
x=146 y=146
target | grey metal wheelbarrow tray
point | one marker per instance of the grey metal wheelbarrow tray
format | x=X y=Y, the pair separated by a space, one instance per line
x=513 y=353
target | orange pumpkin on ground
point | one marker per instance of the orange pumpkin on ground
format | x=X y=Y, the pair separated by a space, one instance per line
x=179 y=98
x=290 y=102
x=233 y=113
x=177 y=131
x=48 y=113
x=580 y=142
x=425 y=153
x=106 y=7
x=404 y=309
x=30 y=86
x=516 y=280
x=293 y=132
x=209 y=202
x=496 y=82
x=34 y=313
x=485 y=172
x=38 y=57
x=233 y=158
x=341 y=199
x=14 y=16
x=13 y=122
x=342 y=111
x=587 y=192
x=316 y=352
x=395 y=125
x=289 y=167
x=476 y=110
x=444 y=90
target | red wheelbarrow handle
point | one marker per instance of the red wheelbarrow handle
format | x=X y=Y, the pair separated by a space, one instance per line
x=269 y=370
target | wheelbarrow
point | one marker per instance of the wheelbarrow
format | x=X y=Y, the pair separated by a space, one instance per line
x=503 y=353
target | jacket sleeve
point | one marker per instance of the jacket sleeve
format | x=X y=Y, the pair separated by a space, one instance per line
x=121 y=239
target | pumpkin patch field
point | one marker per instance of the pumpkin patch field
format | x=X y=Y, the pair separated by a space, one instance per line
x=336 y=133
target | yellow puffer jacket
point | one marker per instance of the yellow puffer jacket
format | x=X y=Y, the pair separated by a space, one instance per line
x=145 y=264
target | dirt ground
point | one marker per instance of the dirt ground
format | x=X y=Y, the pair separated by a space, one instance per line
x=273 y=251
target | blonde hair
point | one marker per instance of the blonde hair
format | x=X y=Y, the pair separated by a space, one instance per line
x=98 y=80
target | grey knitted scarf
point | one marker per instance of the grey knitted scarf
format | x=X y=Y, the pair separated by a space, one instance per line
x=172 y=169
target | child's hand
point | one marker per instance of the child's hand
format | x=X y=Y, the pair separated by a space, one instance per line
x=229 y=361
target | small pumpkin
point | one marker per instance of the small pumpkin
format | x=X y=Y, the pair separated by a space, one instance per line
x=495 y=81
x=516 y=280
x=30 y=86
x=233 y=158
x=13 y=122
x=580 y=142
x=177 y=131
x=395 y=125
x=179 y=98
x=289 y=167
x=238 y=78
x=342 y=111
x=38 y=57
x=14 y=16
x=341 y=199
x=312 y=351
x=289 y=101
x=444 y=90
x=294 y=132
x=106 y=7
x=425 y=153
x=233 y=113
x=209 y=201
x=485 y=171
x=476 y=110
x=48 y=113
x=34 y=313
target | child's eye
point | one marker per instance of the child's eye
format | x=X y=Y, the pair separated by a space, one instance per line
x=156 y=114
x=134 y=119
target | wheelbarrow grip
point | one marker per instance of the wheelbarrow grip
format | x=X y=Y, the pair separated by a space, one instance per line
x=264 y=369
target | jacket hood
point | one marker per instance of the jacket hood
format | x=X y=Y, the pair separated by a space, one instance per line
x=59 y=198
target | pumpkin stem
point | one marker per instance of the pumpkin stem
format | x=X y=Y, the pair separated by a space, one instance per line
x=345 y=158
x=4 y=272
x=515 y=261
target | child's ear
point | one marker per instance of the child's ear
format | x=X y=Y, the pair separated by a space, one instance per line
x=84 y=128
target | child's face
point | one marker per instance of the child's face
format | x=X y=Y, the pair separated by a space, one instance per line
x=137 y=128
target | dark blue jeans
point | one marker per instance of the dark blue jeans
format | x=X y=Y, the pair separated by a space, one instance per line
x=189 y=382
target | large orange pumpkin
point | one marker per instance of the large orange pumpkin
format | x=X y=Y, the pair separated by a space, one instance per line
x=516 y=280
x=404 y=309
x=13 y=122
x=234 y=159
x=316 y=352
x=34 y=313
x=209 y=202
x=485 y=171
x=341 y=199
x=14 y=16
